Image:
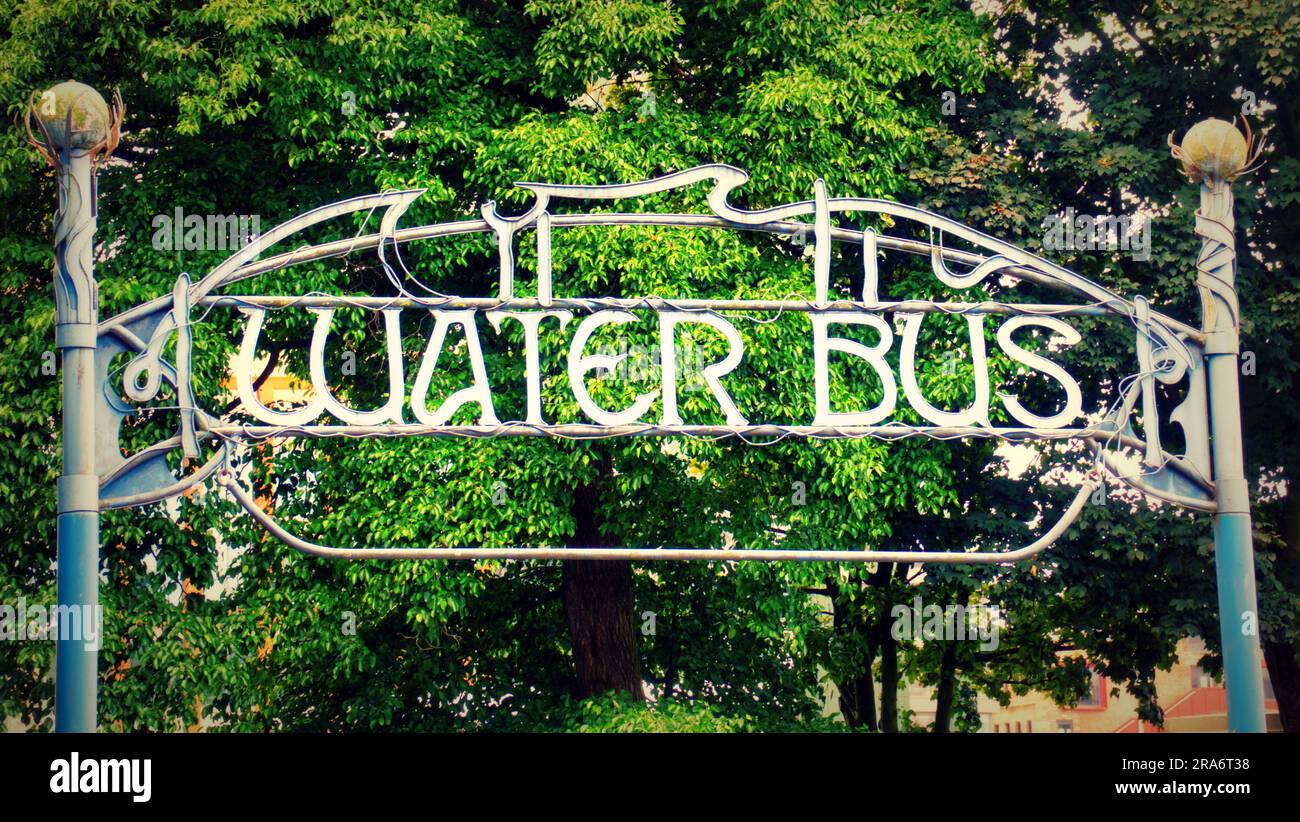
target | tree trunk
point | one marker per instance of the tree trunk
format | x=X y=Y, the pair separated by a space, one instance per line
x=598 y=608
x=597 y=596
x=1284 y=674
x=888 y=679
x=887 y=647
x=1282 y=658
x=947 y=687
x=857 y=692
x=858 y=701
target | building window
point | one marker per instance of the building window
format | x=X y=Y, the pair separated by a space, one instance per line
x=1064 y=726
x=1017 y=727
x=1096 y=697
x=1029 y=726
x=1201 y=679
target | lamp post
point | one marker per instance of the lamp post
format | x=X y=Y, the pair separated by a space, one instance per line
x=1214 y=153
x=76 y=126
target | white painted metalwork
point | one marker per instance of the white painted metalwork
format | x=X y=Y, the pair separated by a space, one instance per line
x=970 y=557
x=79 y=127
x=1166 y=351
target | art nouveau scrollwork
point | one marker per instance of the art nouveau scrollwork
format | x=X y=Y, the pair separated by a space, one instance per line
x=1166 y=351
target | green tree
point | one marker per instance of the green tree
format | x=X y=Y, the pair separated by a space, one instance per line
x=1152 y=69
x=1080 y=120
x=278 y=107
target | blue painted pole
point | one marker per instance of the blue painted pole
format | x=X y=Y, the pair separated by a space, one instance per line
x=1214 y=152
x=76 y=125
x=1235 y=565
x=76 y=674
x=1234 y=553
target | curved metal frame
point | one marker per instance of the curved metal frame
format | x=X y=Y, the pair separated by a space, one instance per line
x=1068 y=517
x=1169 y=350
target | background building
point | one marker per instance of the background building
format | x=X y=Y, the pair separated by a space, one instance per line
x=1192 y=701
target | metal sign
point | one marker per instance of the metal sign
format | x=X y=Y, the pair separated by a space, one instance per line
x=1125 y=437
x=1165 y=351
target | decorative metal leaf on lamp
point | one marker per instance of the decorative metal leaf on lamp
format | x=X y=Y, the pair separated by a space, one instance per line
x=1215 y=150
x=74 y=117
